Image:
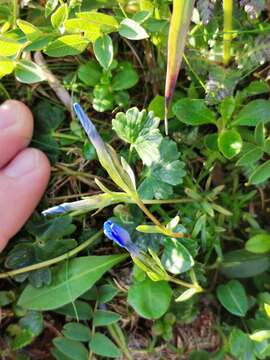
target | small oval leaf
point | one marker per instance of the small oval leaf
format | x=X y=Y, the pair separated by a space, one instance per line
x=233 y=297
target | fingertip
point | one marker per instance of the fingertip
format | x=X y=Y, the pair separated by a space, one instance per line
x=18 y=114
x=22 y=184
x=16 y=129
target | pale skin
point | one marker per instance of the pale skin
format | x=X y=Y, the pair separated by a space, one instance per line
x=24 y=171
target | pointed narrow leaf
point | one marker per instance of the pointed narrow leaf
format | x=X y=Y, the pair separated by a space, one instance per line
x=59 y=16
x=181 y=16
x=260 y=174
x=70 y=280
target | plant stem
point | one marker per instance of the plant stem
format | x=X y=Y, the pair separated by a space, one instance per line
x=168 y=201
x=227 y=37
x=184 y=283
x=165 y=231
x=15 y=12
x=53 y=261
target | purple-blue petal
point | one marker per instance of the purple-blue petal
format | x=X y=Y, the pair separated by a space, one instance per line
x=89 y=127
x=120 y=236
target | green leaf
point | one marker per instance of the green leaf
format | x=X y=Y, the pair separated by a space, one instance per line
x=6 y=297
x=50 y=6
x=90 y=73
x=106 y=293
x=260 y=174
x=31 y=31
x=59 y=16
x=250 y=157
x=266 y=147
x=256 y=87
x=140 y=129
x=28 y=72
x=104 y=318
x=227 y=107
x=259 y=134
x=77 y=310
x=157 y=105
x=9 y=47
x=186 y=295
x=254 y=112
x=125 y=79
x=230 y=143
x=70 y=280
x=131 y=30
x=103 y=346
x=71 y=348
x=211 y=141
x=151 y=188
x=67 y=45
x=103 y=49
x=77 y=26
x=22 y=339
x=260 y=335
x=150 y=299
x=107 y=23
x=164 y=173
x=258 y=244
x=193 y=112
x=32 y=321
x=6 y=66
x=240 y=345
x=48 y=117
x=243 y=264
x=76 y=331
x=176 y=258
x=233 y=297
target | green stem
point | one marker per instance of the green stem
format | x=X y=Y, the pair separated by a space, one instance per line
x=193 y=72
x=165 y=231
x=53 y=261
x=15 y=12
x=227 y=37
x=117 y=335
x=185 y=284
x=168 y=201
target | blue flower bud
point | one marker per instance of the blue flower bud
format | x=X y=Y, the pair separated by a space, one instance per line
x=120 y=236
x=89 y=127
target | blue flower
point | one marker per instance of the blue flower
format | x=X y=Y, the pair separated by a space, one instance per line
x=106 y=154
x=120 y=236
x=89 y=127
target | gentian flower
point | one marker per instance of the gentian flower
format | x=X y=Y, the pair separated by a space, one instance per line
x=121 y=175
x=121 y=237
x=95 y=202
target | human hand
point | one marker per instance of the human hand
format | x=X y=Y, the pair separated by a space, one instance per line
x=24 y=172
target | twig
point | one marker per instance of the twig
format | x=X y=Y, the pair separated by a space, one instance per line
x=53 y=82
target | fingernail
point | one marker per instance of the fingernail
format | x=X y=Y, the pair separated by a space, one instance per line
x=24 y=163
x=7 y=117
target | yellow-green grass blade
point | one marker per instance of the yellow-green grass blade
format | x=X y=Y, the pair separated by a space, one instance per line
x=227 y=37
x=180 y=20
